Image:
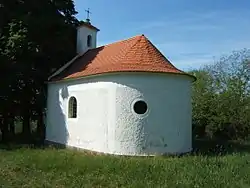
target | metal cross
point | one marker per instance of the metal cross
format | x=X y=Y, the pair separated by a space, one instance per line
x=88 y=13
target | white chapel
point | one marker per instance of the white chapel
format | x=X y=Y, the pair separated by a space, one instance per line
x=123 y=98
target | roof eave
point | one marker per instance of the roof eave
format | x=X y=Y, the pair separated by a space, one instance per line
x=88 y=25
x=112 y=72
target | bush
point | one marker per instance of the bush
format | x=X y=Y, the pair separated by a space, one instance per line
x=221 y=98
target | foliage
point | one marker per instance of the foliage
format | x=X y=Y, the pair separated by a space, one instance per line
x=36 y=37
x=221 y=98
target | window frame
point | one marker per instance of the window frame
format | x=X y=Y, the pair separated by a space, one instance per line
x=72 y=108
x=141 y=116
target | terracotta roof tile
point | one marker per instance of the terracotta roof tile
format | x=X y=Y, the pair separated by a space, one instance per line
x=136 y=54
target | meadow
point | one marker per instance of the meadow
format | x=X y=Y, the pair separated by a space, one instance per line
x=212 y=165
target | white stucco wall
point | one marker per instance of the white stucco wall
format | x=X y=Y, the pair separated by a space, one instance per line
x=106 y=121
x=82 y=37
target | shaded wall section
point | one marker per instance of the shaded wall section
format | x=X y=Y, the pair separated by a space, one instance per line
x=56 y=124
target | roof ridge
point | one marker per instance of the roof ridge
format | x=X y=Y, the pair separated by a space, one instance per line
x=162 y=55
x=139 y=39
x=119 y=41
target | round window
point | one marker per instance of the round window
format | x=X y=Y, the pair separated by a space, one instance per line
x=140 y=107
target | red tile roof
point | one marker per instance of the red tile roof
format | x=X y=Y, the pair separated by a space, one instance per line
x=136 y=54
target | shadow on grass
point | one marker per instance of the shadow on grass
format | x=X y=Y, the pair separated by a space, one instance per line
x=203 y=147
x=16 y=146
x=19 y=142
x=219 y=147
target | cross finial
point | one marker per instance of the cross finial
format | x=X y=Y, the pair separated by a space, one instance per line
x=88 y=13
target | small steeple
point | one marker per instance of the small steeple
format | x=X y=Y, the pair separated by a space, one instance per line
x=86 y=35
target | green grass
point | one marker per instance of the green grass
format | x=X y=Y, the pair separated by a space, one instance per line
x=27 y=167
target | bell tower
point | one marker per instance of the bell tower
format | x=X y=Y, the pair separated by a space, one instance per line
x=86 y=35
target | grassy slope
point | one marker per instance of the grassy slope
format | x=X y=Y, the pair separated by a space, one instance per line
x=65 y=168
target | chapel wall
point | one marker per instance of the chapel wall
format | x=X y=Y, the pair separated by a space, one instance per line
x=107 y=121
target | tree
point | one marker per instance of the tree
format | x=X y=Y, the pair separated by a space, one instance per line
x=221 y=97
x=202 y=100
x=33 y=43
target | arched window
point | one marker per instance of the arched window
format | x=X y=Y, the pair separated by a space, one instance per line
x=89 y=40
x=72 y=111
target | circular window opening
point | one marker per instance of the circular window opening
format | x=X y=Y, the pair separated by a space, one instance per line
x=140 y=107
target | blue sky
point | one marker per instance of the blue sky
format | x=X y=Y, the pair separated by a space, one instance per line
x=189 y=33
